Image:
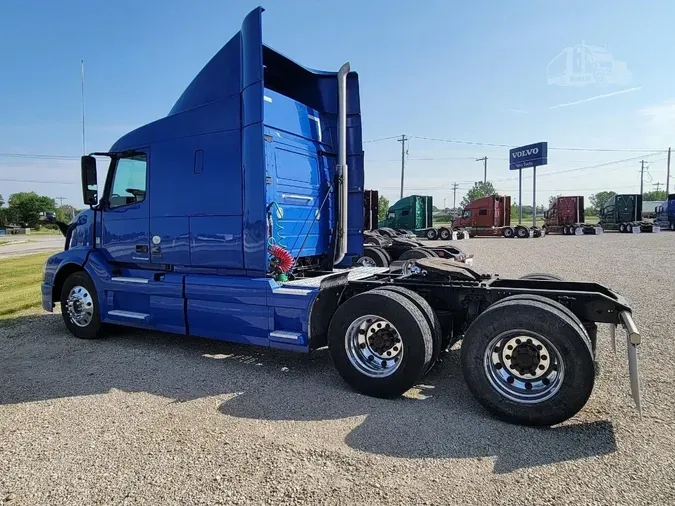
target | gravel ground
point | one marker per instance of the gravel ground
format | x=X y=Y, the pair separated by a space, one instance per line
x=144 y=418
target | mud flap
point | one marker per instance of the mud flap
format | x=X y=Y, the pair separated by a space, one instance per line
x=633 y=339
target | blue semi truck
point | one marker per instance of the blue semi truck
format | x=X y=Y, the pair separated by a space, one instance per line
x=239 y=216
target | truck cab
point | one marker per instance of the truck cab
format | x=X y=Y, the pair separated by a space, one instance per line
x=414 y=212
x=485 y=212
x=255 y=171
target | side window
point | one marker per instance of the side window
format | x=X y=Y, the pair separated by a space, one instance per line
x=391 y=215
x=466 y=214
x=129 y=180
x=405 y=212
x=482 y=212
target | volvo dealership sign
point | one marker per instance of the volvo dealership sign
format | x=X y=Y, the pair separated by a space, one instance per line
x=532 y=155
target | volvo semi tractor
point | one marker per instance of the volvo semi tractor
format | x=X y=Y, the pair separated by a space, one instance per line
x=239 y=217
x=491 y=217
x=623 y=212
x=566 y=216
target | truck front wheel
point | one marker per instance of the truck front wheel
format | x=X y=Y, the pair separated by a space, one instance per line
x=528 y=362
x=79 y=306
x=380 y=343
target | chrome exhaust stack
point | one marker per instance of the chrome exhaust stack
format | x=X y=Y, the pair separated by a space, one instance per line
x=341 y=167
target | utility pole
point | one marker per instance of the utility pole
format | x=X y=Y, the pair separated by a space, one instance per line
x=484 y=160
x=642 y=176
x=60 y=199
x=402 y=140
x=668 y=174
x=658 y=186
x=454 y=195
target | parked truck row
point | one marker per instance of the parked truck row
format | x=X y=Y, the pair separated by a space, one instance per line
x=490 y=216
x=262 y=247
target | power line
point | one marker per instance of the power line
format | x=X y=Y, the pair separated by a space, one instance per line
x=495 y=145
x=39 y=156
x=381 y=139
x=605 y=164
x=34 y=181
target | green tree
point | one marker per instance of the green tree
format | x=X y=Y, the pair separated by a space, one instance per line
x=24 y=208
x=65 y=213
x=382 y=207
x=2 y=201
x=598 y=200
x=653 y=195
x=479 y=190
x=590 y=211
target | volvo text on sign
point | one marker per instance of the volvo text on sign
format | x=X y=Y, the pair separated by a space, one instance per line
x=532 y=155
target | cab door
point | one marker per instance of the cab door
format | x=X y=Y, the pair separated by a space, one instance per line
x=125 y=217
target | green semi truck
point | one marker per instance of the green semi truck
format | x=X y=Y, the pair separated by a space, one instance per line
x=415 y=213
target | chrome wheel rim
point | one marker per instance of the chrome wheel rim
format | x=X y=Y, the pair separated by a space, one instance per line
x=374 y=346
x=80 y=306
x=366 y=262
x=524 y=366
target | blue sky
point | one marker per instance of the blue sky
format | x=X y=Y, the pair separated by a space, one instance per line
x=473 y=71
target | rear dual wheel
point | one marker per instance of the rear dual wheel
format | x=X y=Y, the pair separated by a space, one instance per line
x=374 y=256
x=381 y=342
x=528 y=360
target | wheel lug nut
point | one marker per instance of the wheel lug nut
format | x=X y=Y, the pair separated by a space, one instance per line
x=371 y=358
x=541 y=367
x=544 y=357
x=384 y=363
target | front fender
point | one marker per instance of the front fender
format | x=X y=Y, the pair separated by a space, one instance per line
x=56 y=269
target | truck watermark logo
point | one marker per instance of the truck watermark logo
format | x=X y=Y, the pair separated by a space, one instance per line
x=584 y=65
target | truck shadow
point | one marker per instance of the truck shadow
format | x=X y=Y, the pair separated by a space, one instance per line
x=41 y=361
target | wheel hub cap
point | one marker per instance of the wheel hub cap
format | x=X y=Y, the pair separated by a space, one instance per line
x=523 y=366
x=80 y=306
x=374 y=346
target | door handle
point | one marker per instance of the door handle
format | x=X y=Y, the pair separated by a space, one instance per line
x=140 y=248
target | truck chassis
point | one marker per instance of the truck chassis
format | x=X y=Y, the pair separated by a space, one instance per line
x=574 y=229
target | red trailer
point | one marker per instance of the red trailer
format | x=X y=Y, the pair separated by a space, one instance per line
x=566 y=216
x=491 y=217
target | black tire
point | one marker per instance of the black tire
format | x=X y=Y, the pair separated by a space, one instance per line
x=564 y=333
x=445 y=234
x=672 y=226
x=629 y=228
x=590 y=328
x=430 y=316
x=377 y=255
x=522 y=232
x=541 y=276
x=622 y=228
x=414 y=333
x=508 y=232
x=431 y=234
x=92 y=329
x=417 y=253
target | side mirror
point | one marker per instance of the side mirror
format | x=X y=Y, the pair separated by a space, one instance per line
x=89 y=181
